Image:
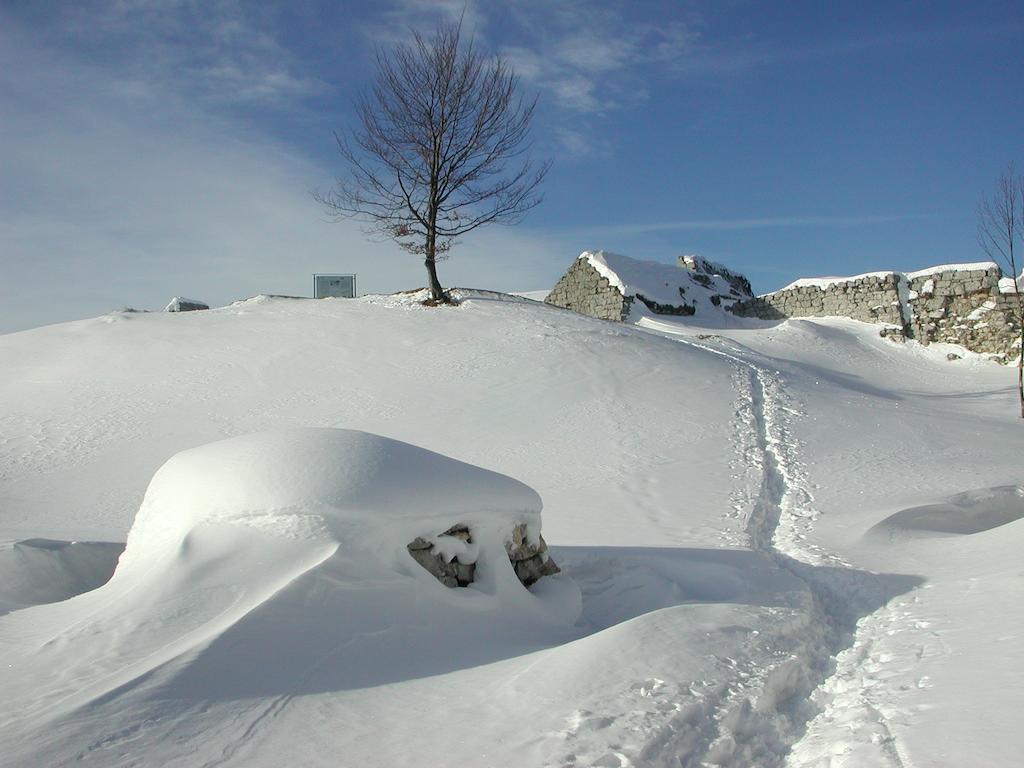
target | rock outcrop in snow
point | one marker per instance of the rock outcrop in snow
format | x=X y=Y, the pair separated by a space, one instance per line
x=367 y=495
x=442 y=556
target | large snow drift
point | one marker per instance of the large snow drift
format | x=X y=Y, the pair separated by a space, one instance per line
x=350 y=489
x=278 y=561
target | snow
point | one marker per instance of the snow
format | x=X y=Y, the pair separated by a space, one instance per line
x=928 y=287
x=1007 y=284
x=967 y=267
x=981 y=311
x=969 y=512
x=827 y=282
x=786 y=545
x=319 y=484
x=533 y=295
x=364 y=496
x=36 y=571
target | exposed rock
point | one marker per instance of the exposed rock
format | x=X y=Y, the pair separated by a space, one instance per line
x=530 y=560
x=683 y=309
x=953 y=356
x=699 y=265
x=893 y=333
x=450 y=572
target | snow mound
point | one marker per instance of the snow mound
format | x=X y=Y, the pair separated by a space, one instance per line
x=337 y=485
x=299 y=539
x=963 y=514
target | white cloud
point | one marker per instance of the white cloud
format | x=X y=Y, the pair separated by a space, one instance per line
x=218 y=50
x=592 y=57
x=582 y=143
x=525 y=62
x=766 y=222
x=576 y=92
x=399 y=16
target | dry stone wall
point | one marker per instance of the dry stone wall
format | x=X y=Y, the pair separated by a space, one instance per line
x=965 y=307
x=962 y=305
x=870 y=298
x=585 y=290
x=958 y=306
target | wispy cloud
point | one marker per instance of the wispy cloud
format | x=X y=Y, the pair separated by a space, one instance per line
x=583 y=143
x=767 y=222
x=590 y=57
x=393 y=23
x=221 y=51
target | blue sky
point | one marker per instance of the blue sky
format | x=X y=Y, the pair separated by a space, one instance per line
x=151 y=149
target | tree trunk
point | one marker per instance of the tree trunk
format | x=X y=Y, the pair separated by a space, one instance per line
x=1020 y=358
x=1020 y=380
x=1020 y=368
x=436 y=291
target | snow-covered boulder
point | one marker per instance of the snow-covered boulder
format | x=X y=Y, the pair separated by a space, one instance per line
x=179 y=304
x=279 y=562
x=371 y=496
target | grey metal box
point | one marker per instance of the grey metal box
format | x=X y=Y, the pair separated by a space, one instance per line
x=343 y=286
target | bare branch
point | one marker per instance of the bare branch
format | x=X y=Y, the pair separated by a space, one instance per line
x=439 y=148
x=1000 y=231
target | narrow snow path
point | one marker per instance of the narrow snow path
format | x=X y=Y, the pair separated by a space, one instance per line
x=766 y=716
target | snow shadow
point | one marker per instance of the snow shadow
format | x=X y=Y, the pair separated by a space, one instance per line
x=39 y=571
x=621 y=583
x=963 y=514
x=295 y=644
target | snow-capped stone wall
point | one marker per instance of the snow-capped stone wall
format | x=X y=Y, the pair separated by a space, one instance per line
x=965 y=307
x=585 y=290
x=972 y=305
x=966 y=304
x=873 y=298
x=610 y=286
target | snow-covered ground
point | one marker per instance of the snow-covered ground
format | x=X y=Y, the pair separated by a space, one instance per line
x=793 y=544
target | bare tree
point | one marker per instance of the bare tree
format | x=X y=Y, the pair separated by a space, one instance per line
x=1000 y=230
x=439 y=149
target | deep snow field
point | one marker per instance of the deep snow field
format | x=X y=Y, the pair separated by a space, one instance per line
x=791 y=544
